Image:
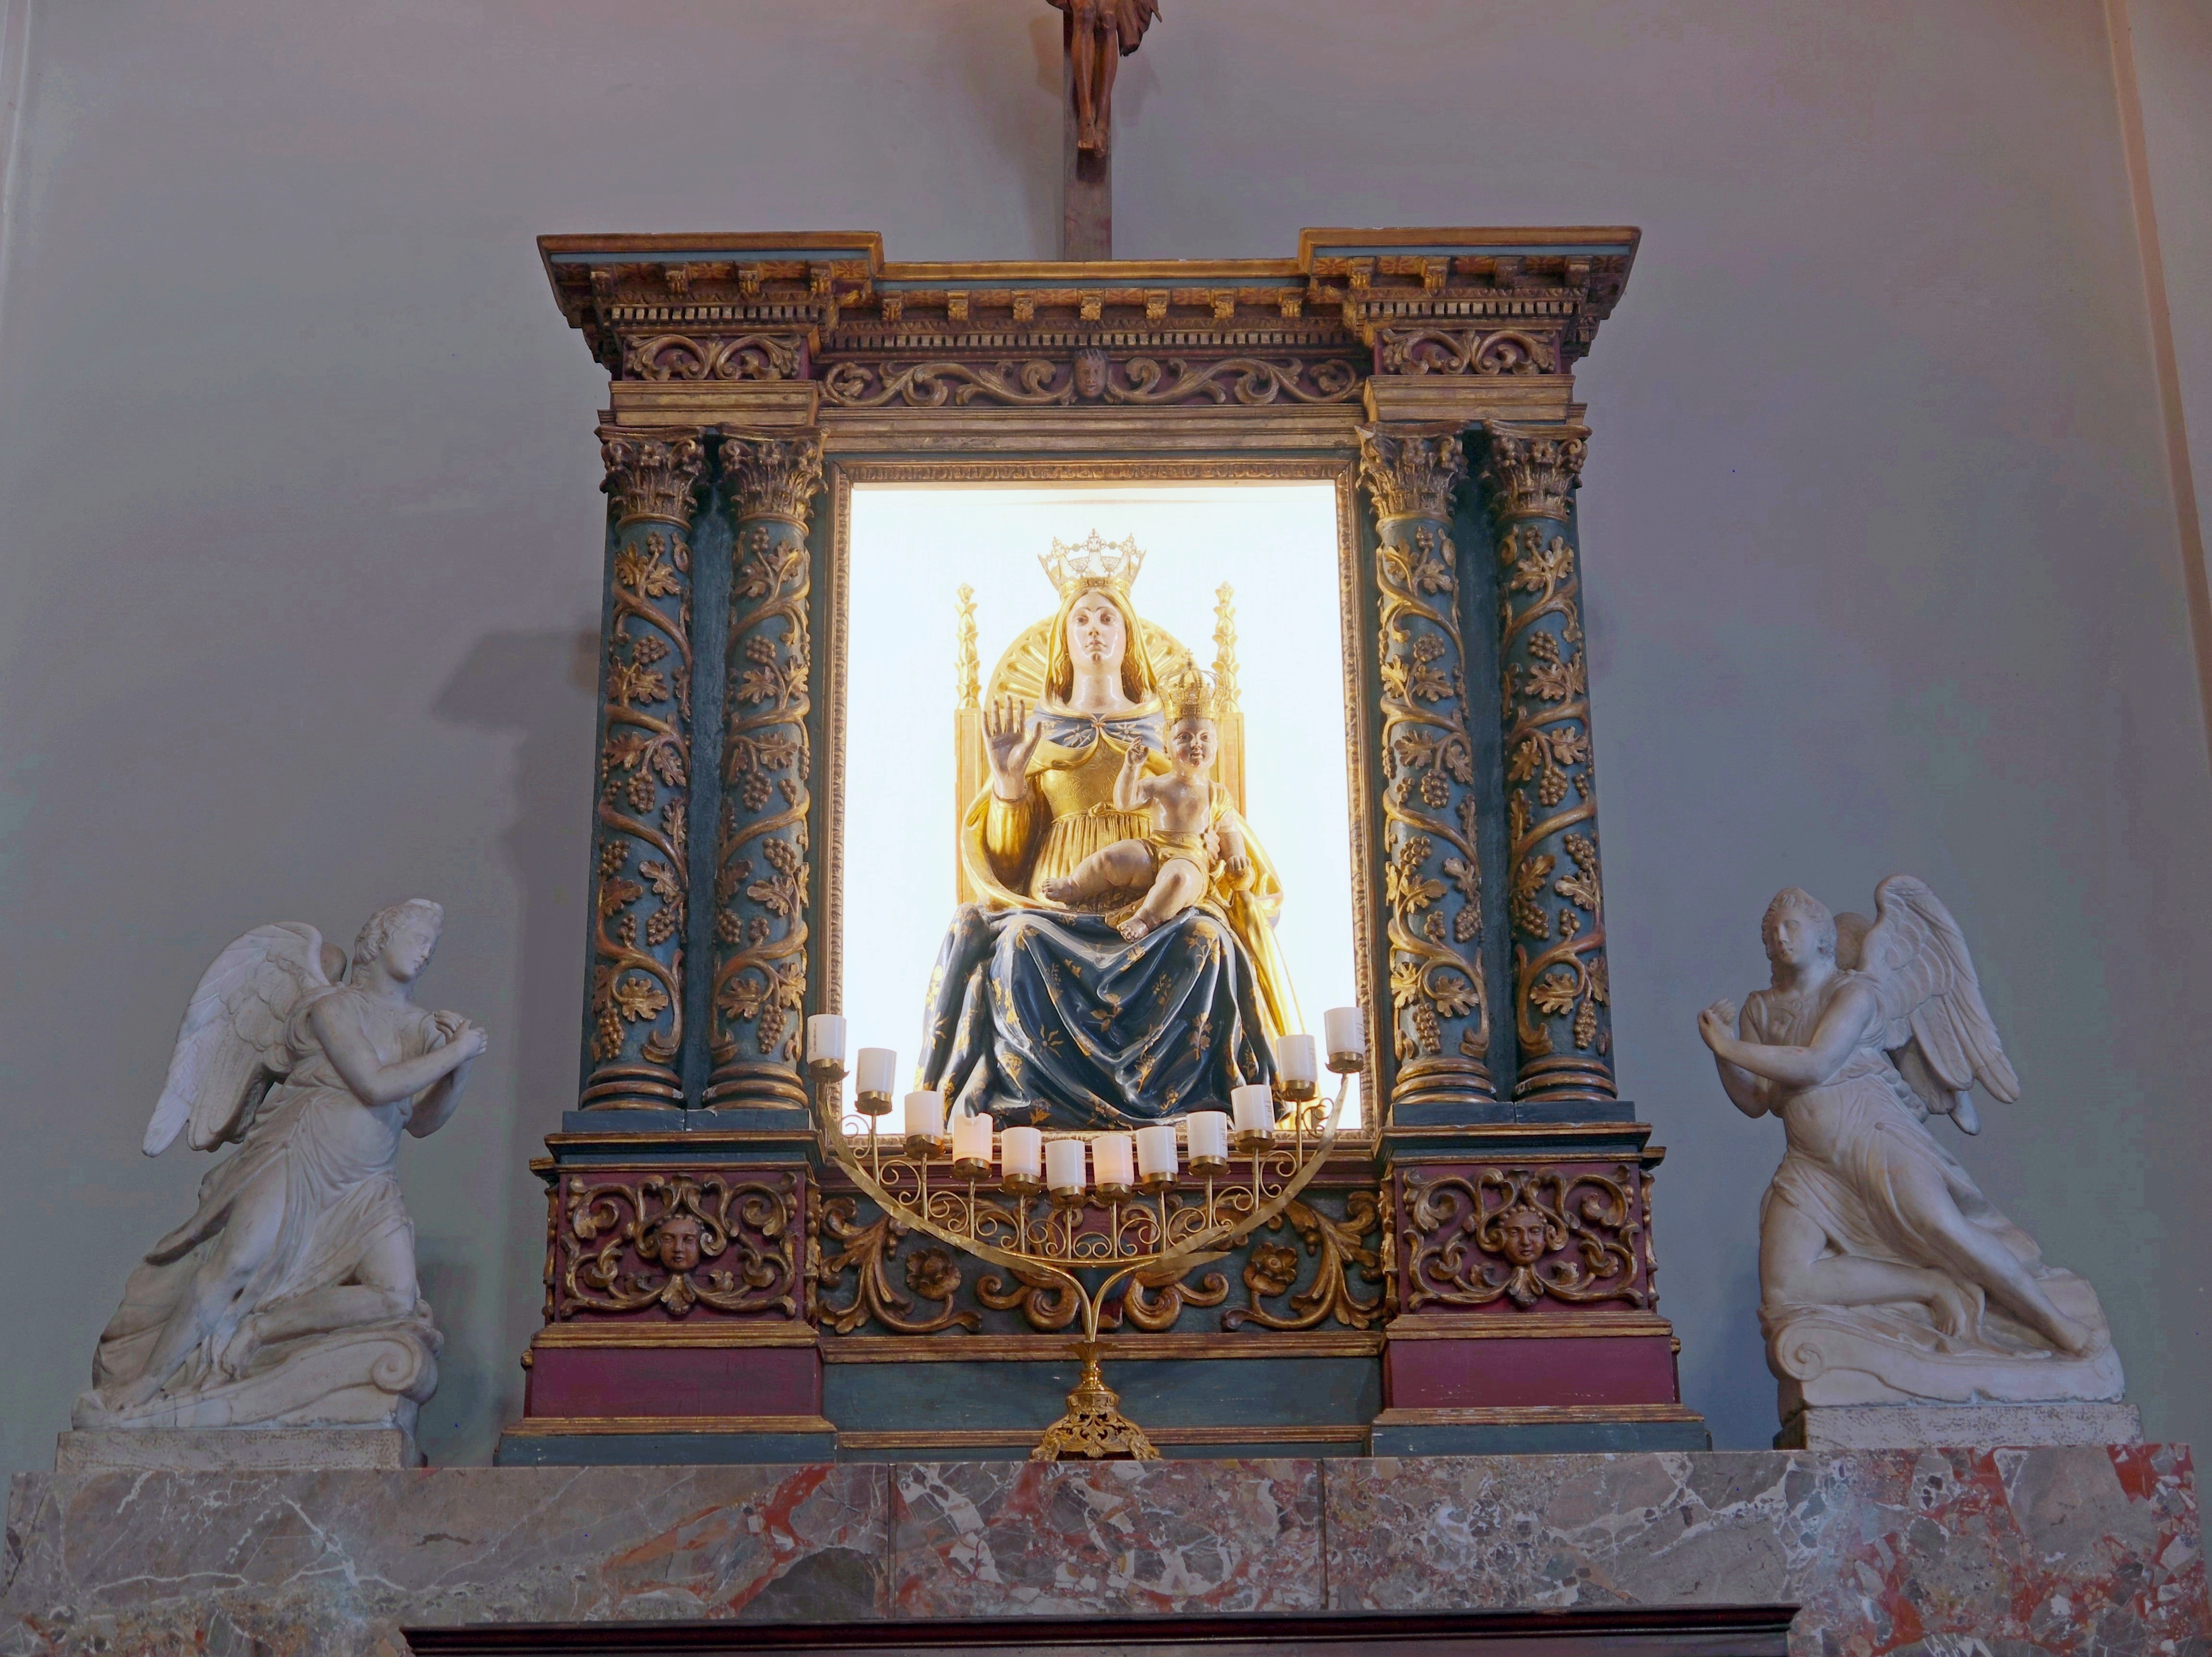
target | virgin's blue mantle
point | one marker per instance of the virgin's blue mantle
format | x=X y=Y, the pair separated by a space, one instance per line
x=1051 y=1020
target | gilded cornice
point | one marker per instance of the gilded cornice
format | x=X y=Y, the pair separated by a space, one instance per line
x=1352 y=304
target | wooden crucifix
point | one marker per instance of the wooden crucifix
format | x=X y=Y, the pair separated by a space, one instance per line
x=1094 y=36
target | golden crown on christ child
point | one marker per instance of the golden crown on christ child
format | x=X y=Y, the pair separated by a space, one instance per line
x=1093 y=562
x=1191 y=696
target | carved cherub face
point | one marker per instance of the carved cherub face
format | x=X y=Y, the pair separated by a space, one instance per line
x=407 y=951
x=676 y=1243
x=1521 y=1236
x=1191 y=743
x=1090 y=375
x=1097 y=636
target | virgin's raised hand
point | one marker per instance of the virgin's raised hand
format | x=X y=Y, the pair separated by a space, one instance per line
x=1009 y=738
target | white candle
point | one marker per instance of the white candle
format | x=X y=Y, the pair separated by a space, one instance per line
x=1295 y=1060
x=878 y=1071
x=1156 y=1151
x=1111 y=1162
x=1022 y=1152
x=971 y=1138
x=1209 y=1134
x=825 y=1039
x=1063 y=1164
x=1347 y=1035
x=1254 y=1105
x=925 y=1115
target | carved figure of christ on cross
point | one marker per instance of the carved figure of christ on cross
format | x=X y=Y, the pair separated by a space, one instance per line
x=1094 y=36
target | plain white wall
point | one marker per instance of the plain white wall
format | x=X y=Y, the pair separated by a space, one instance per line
x=302 y=536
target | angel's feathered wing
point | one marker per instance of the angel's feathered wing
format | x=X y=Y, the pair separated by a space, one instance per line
x=231 y=1043
x=1934 y=1024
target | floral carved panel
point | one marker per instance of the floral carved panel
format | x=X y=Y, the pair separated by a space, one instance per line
x=677 y=1246
x=1531 y=1238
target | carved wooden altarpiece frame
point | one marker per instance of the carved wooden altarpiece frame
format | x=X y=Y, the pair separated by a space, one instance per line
x=713 y=1292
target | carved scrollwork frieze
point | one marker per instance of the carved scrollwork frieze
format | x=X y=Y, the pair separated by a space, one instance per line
x=1577 y=1235
x=1464 y=351
x=758 y=357
x=641 y=880
x=1090 y=376
x=763 y=877
x=632 y=1244
x=1431 y=810
x=1562 y=991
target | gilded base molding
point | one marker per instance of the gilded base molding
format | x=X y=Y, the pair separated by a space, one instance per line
x=1535 y=1415
x=567 y=1425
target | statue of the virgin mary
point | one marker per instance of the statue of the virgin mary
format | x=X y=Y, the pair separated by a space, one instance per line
x=1043 y=1014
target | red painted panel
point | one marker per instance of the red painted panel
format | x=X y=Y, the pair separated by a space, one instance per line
x=674 y=1381
x=1503 y=1374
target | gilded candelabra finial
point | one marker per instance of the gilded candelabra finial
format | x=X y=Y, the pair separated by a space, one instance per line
x=966 y=669
x=1224 y=648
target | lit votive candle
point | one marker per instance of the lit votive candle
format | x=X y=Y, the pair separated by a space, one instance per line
x=1296 y=1062
x=878 y=1071
x=1254 y=1105
x=1063 y=1165
x=825 y=1039
x=925 y=1115
x=1208 y=1132
x=1113 y=1161
x=1021 y=1154
x=1346 y=1035
x=1155 y=1151
x=971 y=1141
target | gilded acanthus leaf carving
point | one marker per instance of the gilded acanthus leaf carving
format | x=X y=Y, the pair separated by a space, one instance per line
x=865 y=1252
x=1525 y=1234
x=677 y=1241
x=1338 y=1247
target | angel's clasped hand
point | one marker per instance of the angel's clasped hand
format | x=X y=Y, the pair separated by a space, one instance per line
x=470 y=1038
x=1716 y=1024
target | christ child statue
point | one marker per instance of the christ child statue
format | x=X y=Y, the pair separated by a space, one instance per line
x=1173 y=860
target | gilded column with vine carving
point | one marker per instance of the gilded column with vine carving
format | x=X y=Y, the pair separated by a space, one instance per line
x=640 y=889
x=1439 y=1013
x=1563 y=1019
x=762 y=873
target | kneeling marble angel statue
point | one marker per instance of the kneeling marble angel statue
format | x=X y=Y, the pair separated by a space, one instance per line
x=1886 y=1277
x=289 y=1297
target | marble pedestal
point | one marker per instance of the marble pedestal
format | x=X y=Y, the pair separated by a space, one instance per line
x=1971 y=1426
x=2071 y=1552
x=237 y=1449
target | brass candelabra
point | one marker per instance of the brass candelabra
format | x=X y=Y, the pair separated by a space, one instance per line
x=1091 y=1237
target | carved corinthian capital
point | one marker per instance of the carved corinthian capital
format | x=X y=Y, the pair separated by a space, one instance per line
x=773 y=476
x=651 y=475
x=1530 y=471
x=1410 y=471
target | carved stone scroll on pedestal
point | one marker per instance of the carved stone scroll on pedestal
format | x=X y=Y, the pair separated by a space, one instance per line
x=1562 y=1012
x=634 y=1016
x=761 y=872
x=1439 y=1015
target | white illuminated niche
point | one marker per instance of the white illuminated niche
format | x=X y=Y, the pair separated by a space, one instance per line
x=912 y=548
